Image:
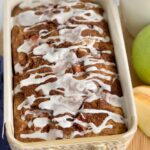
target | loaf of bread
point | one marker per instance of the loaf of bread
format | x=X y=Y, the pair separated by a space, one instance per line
x=65 y=79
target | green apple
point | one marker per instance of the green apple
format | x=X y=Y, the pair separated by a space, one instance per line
x=141 y=55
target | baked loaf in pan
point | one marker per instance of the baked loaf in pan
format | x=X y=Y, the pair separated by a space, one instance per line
x=66 y=83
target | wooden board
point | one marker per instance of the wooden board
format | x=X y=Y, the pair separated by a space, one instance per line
x=140 y=141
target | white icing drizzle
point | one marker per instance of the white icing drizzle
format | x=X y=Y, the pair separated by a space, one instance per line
x=40 y=67
x=51 y=135
x=63 y=16
x=19 y=68
x=17 y=89
x=72 y=86
x=63 y=122
x=41 y=49
x=33 y=80
x=37 y=3
x=26 y=46
x=29 y=17
x=33 y=4
x=93 y=127
x=61 y=105
x=98 y=129
x=40 y=122
x=111 y=99
x=106 y=52
x=93 y=61
x=30 y=123
x=84 y=124
x=26 y=29
x=75 y=133
x=34 y=113
x=101 y=76
x=94 y=68
x=27 y=103
x=115 y=117
x=107 y=71
x=75 y=92
x=93 y=16
x=114 y=100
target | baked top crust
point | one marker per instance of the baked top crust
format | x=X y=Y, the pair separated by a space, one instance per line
x=66 y=83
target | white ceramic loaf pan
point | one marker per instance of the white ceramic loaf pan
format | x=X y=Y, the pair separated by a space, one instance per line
x=115 y=142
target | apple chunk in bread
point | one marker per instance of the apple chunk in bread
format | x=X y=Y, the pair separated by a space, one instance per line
x=142 y=98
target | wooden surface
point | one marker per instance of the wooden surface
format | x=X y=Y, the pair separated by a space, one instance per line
x=140 y=141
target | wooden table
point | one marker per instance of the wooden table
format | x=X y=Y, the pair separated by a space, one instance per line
x=140 y=141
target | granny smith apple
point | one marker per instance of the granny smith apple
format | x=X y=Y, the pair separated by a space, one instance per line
x=141 y=55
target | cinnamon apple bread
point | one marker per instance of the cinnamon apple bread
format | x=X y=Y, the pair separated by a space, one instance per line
x=65 y=79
